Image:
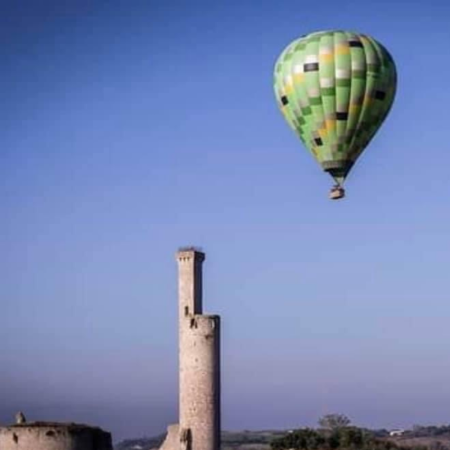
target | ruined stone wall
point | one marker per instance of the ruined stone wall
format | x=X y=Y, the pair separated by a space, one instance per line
x=172 y=440
x=53 y=436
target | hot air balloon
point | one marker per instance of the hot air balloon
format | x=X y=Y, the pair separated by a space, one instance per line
x=335 y=88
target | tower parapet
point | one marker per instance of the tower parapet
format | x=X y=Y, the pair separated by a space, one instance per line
x=190 y=281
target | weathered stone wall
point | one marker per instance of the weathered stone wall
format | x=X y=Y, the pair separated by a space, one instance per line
x=54 y=436
x=200 y=382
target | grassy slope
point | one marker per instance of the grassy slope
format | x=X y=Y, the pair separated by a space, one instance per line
x=436 y=442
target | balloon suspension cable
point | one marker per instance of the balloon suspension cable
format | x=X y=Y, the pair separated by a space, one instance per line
x=337 y=192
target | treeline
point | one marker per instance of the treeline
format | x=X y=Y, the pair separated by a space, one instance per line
x=428 y=431
x=351 y=438
x=238 y=439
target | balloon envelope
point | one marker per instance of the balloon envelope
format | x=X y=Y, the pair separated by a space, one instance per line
x=335 y=88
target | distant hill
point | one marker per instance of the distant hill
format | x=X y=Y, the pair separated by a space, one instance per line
x=426 y=438
x=231 y=440
x=431 y=437
x=145 y=443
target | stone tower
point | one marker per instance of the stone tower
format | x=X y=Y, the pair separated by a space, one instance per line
x=199 y=362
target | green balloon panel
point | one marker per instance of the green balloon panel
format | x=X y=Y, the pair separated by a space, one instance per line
x=335 y=88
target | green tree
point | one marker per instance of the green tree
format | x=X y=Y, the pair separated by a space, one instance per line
x=351 y=437
x=334 y=421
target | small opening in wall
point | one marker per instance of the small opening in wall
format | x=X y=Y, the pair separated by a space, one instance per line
x=186 y=310
x=15 y=438
x=50 y=433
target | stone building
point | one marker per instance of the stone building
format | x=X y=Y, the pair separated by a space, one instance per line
x=53 y=436
x=199 y=362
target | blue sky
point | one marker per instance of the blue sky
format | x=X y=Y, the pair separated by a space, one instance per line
x=131 y=128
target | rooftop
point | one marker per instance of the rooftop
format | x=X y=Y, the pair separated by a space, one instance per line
x=69 y=426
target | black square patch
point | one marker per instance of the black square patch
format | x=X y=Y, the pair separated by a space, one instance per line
x=341 y=115
x=311 y=67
